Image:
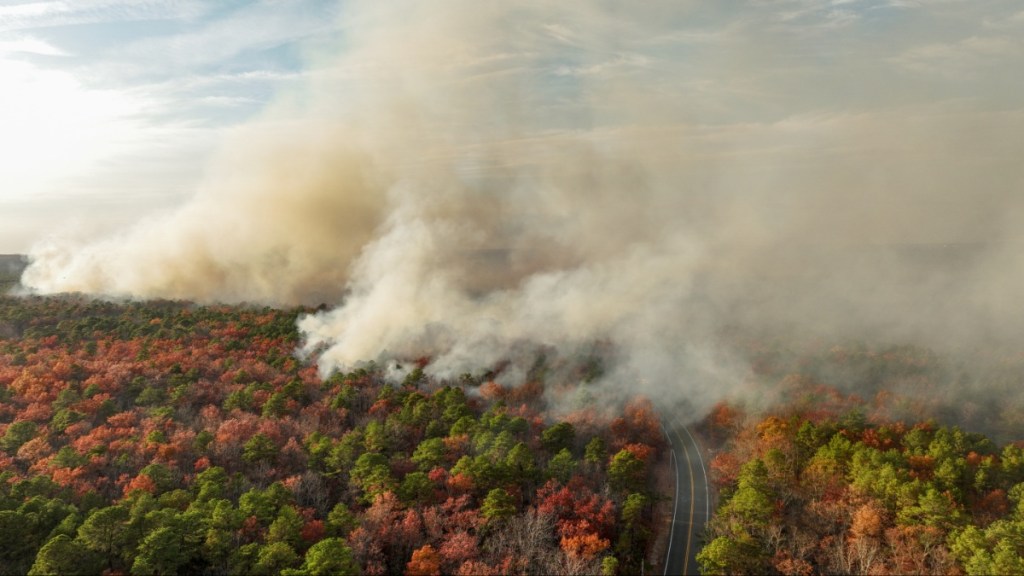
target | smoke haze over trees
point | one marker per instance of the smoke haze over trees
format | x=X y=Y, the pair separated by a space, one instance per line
x=461 y=179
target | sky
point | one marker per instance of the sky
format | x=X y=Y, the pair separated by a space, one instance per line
x=110 y=109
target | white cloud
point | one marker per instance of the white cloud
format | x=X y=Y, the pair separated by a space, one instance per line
x=74 y=145
x=130 y=127
x=29 y=45
x=969 y=56
x=617 y=64
x=256 y=28
x=52 y=124
x=51 y=13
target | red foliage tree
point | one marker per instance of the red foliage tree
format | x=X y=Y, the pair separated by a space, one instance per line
x=584 y=545
x=313 y=531
x=425 y=562
x=458 y=548
x=141 y=482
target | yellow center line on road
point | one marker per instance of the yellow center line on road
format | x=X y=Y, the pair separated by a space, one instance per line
x=689 y=528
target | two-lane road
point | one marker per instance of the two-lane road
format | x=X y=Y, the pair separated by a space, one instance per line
x=692 y=501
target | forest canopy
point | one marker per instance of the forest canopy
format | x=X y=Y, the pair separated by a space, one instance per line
x=166 y=437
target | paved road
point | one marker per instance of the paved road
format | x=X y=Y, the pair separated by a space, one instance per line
x=692 y=502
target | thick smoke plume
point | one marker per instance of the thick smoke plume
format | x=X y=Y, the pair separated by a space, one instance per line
x=467 y=177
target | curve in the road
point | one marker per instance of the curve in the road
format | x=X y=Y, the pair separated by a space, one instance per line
x=681 y=556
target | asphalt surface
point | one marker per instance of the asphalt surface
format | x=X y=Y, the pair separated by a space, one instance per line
x=692 y=501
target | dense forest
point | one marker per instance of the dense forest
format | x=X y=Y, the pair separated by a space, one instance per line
x=881 y=482
x=167 y=437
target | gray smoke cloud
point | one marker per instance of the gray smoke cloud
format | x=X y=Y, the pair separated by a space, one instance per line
x=465 y=178
x=264 y=227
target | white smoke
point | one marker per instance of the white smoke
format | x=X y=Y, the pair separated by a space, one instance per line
x=475 y=176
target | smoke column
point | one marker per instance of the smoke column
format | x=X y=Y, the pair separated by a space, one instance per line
x=467 y=177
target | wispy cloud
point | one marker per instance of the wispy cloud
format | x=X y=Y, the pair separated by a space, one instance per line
x=970 y=56
x=216 y=41
x=29 y=45
x=27 y=15
x=617 y=64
